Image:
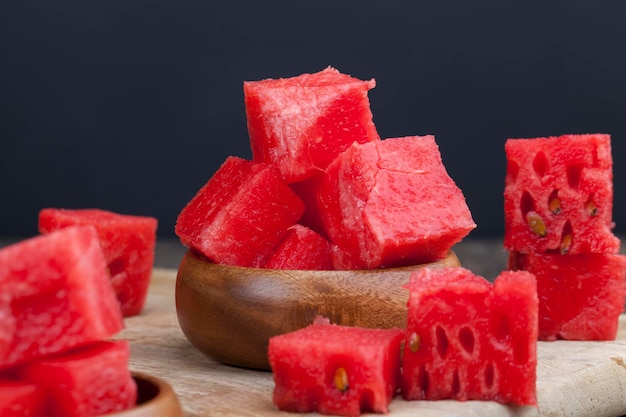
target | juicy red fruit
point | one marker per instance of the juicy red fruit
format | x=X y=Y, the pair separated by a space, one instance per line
x=127 y=242
x=302 y=123
x=467 y=339
x=580 y=296
x=56 y=295
x=21 y=399
x=558 y=195
x=335 y=369
x=392 y=203
x=89 y=381
x=302 y=248
x=240 y=215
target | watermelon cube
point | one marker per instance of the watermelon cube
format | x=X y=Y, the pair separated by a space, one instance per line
x=558 y=195
x=302 y=248
x=302 y=123
x=580 y=296
x=21 y=399
x=56 y=294
x=391 y=203
x=240 y=215
x=467 y=339
x=335 y=369
x=128 y=244
x=89 y=381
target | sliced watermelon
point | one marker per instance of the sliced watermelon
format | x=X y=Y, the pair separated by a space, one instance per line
x=89 y=381
x=308 y=191
x=391 y=203
x=240 y=215
x=21 y=399
x=302 y=248
x=335 y=369
x=580 y=296
x=56 y=294
x=558 y=195
x=469 y=340
x=128 y=244
x=302 y=123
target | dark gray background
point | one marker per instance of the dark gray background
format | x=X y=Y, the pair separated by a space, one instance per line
x=132 y=105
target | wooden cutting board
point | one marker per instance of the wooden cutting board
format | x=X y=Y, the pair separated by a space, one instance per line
x=573 y=378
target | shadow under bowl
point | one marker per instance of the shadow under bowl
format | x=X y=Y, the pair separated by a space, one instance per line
x=230 y=312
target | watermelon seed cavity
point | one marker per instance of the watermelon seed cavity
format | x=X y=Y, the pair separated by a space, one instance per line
x=442 y=341
x=540 y=164
x=456 y=384
x=590 y=207
x=573 y=175
x=489 y=375
x=527 y=203
x=567 y=237
x=466 y=337
x=554 y=203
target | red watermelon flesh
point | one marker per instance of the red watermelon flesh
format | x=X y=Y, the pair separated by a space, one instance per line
x=308 y=191
x=21 y=399
x=302 y=248
x=90 y=381
x=559 y=195
x=467 y=339
x=56 y=295
x=302 y=123
x=128 y=244
x=240 y=215
x=580 y=296
x=392 y=203
x=335 y=369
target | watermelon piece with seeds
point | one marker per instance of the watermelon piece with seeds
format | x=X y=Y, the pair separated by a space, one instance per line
x=467 y=339
x=91 y=380
x=580 y=296
x=240 y=215
x=302 y=123
x=335 y=369
x=558 y=195
x=128 y=243
x=391 y=203
x=56 y=294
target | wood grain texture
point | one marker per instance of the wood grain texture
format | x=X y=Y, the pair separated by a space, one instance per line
x=231 y=312
x=573 y=378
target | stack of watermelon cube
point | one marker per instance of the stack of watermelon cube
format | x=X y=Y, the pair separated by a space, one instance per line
x=58 y=313
x=320 y=169
x=558 y=225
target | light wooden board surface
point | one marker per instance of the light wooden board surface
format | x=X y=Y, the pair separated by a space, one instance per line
x=573 y=378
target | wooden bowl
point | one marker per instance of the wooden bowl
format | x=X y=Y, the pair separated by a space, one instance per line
x=230 y=312
x=155 y=398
